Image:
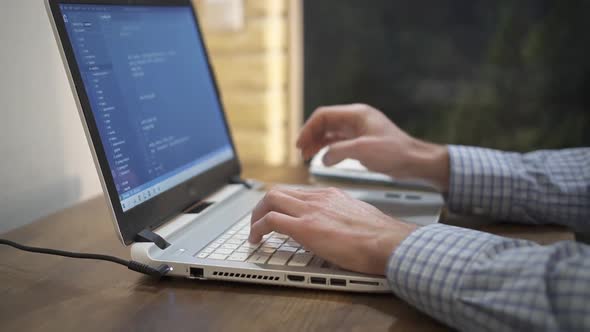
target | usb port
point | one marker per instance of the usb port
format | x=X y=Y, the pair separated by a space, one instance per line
x=295 y=278
x=317 y=280
x=337 y=282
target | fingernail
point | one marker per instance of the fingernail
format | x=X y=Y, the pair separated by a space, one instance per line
x=328 y=160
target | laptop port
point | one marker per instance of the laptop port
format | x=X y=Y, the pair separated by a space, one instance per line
x=413 y=197
x=291 y=277
x=337 y=282
x=365 y=283
x=393 y=195
x=317 y=280
x=196 y=272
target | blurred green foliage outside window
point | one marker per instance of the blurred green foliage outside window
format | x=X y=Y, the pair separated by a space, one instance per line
x=505 y=74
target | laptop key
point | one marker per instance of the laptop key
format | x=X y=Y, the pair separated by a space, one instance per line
x=316 y=262
x=271 y=245
x=238 y=256
x=287 y=248
x=266 y=250
x=280 y=258
x=229 y=246
x=292 y=243
x=300 y=259
x=250 y=245
x=208 y=250
x=258 y=258
x=217 y=256
x=245 y=250
x=223 y=251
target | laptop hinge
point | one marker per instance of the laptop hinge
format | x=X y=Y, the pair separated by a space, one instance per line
x=148 y=236
x=236 y=179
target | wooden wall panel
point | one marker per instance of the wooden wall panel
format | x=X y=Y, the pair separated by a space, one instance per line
x=251 y=65
x=247 y=72
x=251 y=145
x=255 y=37
x=255 y=8
x=250 y=110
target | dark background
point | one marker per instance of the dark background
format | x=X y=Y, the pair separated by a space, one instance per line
x=505 y=74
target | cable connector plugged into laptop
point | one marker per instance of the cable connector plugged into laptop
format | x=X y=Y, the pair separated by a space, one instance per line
x=158 y=272
x=238 y=180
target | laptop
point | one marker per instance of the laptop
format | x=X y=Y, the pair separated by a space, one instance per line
x=152 y=114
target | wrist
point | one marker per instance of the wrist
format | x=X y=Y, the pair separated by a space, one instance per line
x=431 y=163
x=387 y=241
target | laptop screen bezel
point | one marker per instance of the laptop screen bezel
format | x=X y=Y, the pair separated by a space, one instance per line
x=168 y=204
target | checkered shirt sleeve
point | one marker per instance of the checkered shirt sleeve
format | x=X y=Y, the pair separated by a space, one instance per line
x=537 y=188
x=474 y=281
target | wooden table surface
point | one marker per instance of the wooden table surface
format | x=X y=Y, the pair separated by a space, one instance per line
x=47 y=293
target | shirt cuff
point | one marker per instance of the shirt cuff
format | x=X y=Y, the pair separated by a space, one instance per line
x=426 y=268
x=482 y=182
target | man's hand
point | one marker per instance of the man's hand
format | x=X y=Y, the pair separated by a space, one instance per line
x=361 y=132
x=347 y=232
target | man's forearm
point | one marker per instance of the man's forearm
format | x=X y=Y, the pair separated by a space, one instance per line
x=475 y=281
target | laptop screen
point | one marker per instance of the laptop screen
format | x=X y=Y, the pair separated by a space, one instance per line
x=152 y=95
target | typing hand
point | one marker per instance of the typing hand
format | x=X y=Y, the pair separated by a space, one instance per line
x=362 y=132
x=347 y=232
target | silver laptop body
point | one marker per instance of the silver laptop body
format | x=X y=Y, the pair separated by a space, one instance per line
x=191 y=234
x=196 y=220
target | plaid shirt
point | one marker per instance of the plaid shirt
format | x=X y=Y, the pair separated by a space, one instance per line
x=475 y=281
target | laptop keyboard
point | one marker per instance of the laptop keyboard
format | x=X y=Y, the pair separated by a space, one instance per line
x=274 y=249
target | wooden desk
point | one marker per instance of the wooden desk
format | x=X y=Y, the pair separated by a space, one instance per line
x=48 y=293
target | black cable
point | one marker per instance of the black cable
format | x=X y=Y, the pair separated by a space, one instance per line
x=239 y=180
x=64 y=253
x=160 y=271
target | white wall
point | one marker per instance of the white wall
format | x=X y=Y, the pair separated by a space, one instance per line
x=45 y=160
